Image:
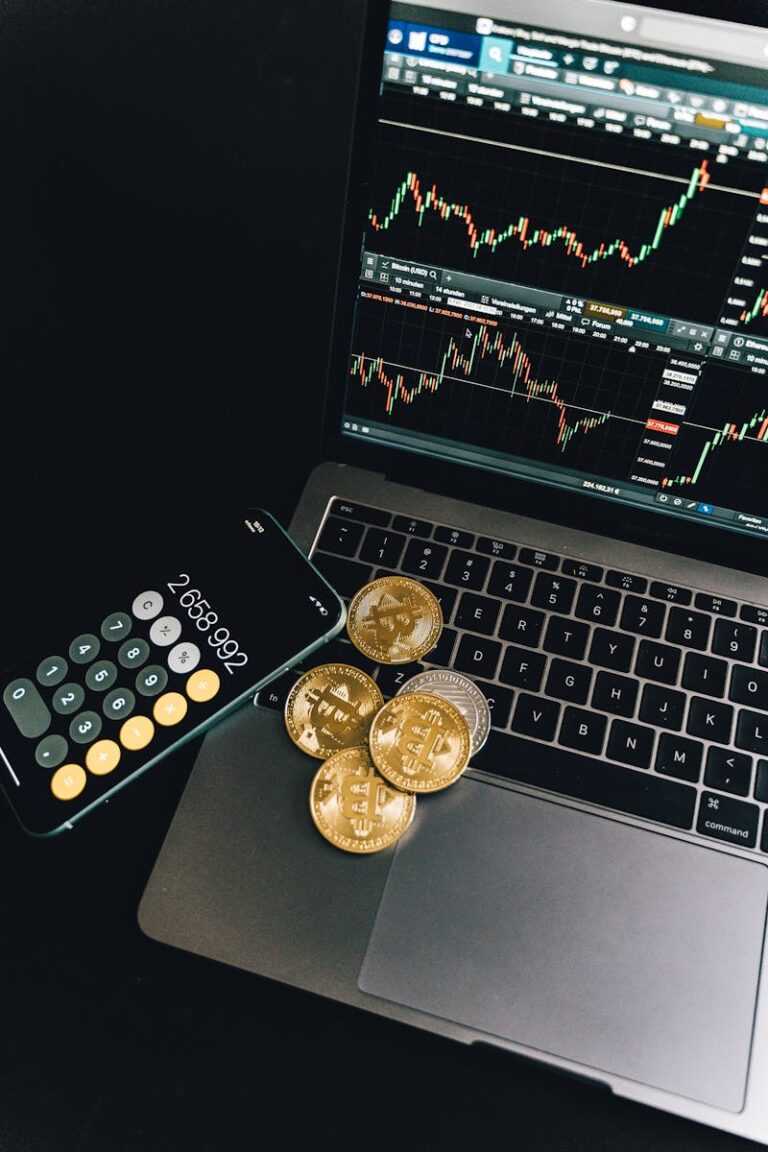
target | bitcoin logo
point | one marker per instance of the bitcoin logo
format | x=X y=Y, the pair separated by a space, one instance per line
x=363 y=801
x=420 y=742
x=389 y=621
x=333 y=711
x=354 y=808
x=423 y=739
x=330 y=708
x=394 y=620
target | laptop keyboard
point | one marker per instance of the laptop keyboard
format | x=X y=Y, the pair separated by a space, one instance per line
x=604 y=685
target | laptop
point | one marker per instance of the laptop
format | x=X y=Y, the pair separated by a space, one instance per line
x=548 y=401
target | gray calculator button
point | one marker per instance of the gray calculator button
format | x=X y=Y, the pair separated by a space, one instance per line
x=116 y=626
x=101 y=676
x=133 y=653
x=27 y=708
x=165 y=631
x=184 y=658
x=68 y=699
x=85 y=727
x=119 y=704
x=51 y=751
x=147 y=605
x=84 y=648
x=151 y=681
x=51 y=671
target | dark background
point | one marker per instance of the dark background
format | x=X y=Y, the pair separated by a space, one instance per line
x=171 y=171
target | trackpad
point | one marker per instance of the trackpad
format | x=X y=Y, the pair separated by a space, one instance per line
x=625 y=950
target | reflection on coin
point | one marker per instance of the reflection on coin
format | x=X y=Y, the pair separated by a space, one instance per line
x=331 y=708
x=463 y=693
x=394 y=620
x=354 y=808
x=420 y=742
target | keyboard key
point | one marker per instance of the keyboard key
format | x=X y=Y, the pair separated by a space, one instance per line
x=538 y=559
x=761 y=781
x=582 y=570
x=717 y=605
x=275 y=694
x=643 y=616
x=617 y=694
x=735 y=640
x=704 y=674
x=412 y=527
x=679 y=757
x=340 y=536
x=521 y=624
x=477 y=656
x=467 y=569
x=584 y=731
x=611 y=650
x=710 y=719
x=672 y=593
x=554 y=593
x=725 y=819
x=729 y=771
x=382 y=547
x=630 y=743
x=566 y=637
x=754 y=615
x=749 y=686
x=391 y=677
x=455 y=537
x=689 y=628
x=569 y=681
x=594 y=781
x=596 y=603
x=535 y=716
x=346 y=576
x=522 y=668
x=510 y=581
x=477 y=613
x=443 y=651
x=763 y=653
x=662 y=706
x=626 y=581
x=499 y=702
x=424 y=560
x=497 y=548
x=764 y=840
x=752 y=732
x=657 y=662
x=362 y=512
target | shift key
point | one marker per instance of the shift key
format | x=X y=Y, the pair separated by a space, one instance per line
x=27 y=707
x=726 y=819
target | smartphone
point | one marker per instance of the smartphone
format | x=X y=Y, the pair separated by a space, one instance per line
x=132 y=648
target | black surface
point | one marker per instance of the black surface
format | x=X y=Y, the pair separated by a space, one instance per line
x=156 y=158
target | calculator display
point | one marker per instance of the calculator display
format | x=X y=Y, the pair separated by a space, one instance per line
x=119 y=665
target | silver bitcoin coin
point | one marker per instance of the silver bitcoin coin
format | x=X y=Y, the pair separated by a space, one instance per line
x=460 y=691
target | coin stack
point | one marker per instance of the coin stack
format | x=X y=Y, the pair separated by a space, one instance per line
x=377 y=757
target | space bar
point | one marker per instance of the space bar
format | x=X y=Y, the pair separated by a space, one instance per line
x=584 y=778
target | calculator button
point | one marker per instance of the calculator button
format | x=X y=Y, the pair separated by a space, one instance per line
x=184 y=658
x=68 y=699
x=84 y=648
x=151 y=681
x=85 y=727
x=103 y=757
x=116 y=626
x=27 y=707
x=68 y=782
x=203 y=685
x=170 y=709
x=51 y=671
x=133 y=653
x=101 y=676
x=119 y=704
x=136 y=733
x=165 y=631
x=147 y=605
x=51 y=751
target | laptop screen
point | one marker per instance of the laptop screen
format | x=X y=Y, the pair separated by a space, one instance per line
x=564 y=273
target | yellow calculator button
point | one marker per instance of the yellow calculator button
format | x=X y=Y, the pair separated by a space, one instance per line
x=203 y=685
x=103 y=757
x=170 y=709
x=68 y=782
x=136 y=733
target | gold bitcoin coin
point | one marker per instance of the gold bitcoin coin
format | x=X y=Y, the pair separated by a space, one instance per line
x=331 y=708
x=420 y=742
x=354 y=808
x=394 y=620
